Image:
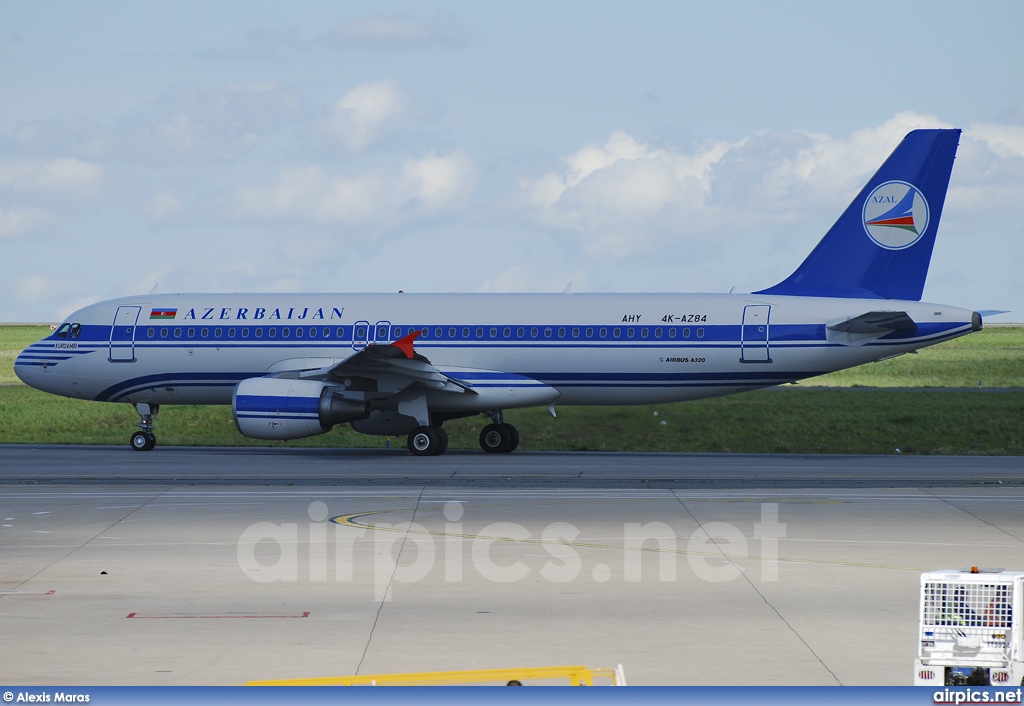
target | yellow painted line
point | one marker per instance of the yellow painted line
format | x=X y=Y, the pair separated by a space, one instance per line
x=577 y=675
x=350 y=521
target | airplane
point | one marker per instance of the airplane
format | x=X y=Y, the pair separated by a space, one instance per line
x=296 y=365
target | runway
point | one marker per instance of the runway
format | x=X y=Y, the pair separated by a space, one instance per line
x=379 y=467
x=201 y=566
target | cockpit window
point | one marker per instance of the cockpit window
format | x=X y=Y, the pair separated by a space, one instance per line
x=62 y=332
x=76 y=331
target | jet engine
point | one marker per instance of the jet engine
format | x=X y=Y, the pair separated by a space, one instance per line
x=282 y=408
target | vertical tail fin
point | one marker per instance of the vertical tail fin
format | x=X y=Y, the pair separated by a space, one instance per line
x=881 y=246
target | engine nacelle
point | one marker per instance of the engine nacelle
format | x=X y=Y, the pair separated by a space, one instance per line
x=282 y=408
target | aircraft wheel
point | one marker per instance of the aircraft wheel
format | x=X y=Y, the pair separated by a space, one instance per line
x=443 y=436
x=426 y=441
x=513 y=434
x=496 y=439
x=143 y=441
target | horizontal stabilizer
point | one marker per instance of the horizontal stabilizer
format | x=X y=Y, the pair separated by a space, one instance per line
x=992 y=312
x=875 y=322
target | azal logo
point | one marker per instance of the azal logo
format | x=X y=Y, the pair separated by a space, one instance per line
x=895 y=215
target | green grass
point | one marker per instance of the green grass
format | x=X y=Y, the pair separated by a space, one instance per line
x=993 y=357
x=782 y=421
x=789 y=420
x=14 y=338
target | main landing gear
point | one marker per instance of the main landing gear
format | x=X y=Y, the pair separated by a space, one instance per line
x=499 y=437
x=145 y=440
x=495 y=438
x=428 y=441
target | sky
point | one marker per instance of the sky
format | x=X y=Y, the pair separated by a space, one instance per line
x=488 y=147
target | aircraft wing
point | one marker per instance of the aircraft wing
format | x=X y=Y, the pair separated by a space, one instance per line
x=386 y=368
x=874 y=322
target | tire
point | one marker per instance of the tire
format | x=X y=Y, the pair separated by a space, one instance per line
x=496 y=439
x=425 y=441
x=151 y=444
x=513 y=437
x=141 y=441
x=443 y=436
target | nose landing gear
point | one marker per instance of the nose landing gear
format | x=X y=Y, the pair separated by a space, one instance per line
x=145 y=440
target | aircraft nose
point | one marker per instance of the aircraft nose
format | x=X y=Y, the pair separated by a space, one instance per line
x=21 y=369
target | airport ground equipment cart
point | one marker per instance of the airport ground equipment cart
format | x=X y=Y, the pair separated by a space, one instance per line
x=970 y=631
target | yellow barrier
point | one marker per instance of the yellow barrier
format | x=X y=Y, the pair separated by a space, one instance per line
x=577 y=676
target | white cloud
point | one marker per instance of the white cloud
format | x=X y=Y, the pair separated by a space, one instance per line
x=395 y=32
x=523 y=278
x=164 y=205
x=609 y=194
x=60 y=176
x=308 y=194
x=15 y=222
x=1003 y=140
x=626 y=197
x=439 y=182
x=361 y=114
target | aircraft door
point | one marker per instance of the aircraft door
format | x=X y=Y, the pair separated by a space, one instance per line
x=122 y=334
x=754 y=343
x=361 y=335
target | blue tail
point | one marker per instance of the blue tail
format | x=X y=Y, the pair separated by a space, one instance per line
x=881 y=246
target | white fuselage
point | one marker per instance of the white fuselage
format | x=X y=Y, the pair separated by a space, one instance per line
x=594 y=349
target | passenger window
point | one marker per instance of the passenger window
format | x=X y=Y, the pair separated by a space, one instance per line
x=312 y=333
x=700 y=333
x=150 y=332
x=451 y=333
x=205 y=332
x=191 y=333
x=340 y=333
x=438 y=332
x=479 y=333
x=245 y=333
x=590 y=333
x=177 y=333
x=494 y=332
x=643 y=333
x=272 y=333
x=630 y=333
x=217 y=332
x=231 y=332
x=465 y=333
x=259 y=333
x=575 y=333
x=686 y=333
x=327 y=333
x=547 y=333
x=616 y=332
x=671 y=333
x=506 y=332
x=657 y=333
x=520 y=332
x=163 y=333
x=604 y=333
x=561 y=333
x=533 y=333
x=298 y=332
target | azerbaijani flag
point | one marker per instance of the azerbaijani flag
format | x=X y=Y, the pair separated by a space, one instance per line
x=163 y=313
